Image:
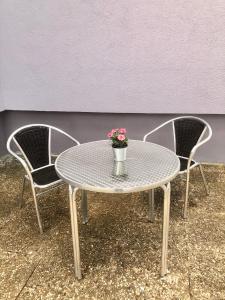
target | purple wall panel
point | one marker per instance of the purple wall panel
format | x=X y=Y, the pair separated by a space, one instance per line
x=135 y=56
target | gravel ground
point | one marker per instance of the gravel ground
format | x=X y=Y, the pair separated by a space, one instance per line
x=120 y=249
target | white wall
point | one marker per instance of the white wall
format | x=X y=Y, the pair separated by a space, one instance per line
x=113 y=56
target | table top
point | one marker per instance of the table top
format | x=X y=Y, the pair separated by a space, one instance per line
x=91 y=166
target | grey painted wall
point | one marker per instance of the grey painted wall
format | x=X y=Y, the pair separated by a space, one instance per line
x=136 y=56
x=94 y=126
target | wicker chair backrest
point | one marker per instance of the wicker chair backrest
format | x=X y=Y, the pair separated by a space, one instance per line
x=187 y=133
x=34 y=141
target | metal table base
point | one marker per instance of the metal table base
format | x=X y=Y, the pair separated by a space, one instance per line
x=75 y=231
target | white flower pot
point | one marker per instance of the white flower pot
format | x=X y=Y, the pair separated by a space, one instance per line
x=120 y=154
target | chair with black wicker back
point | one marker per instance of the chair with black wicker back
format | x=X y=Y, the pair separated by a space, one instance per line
x=189 y=134
x=34 y=145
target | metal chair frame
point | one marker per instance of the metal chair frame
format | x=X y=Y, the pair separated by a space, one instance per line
x=199 y=143
x=29 y=169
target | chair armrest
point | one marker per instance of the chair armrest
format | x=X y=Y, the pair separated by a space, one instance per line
x=194 y=149
x=156 y=129
x=66 y=134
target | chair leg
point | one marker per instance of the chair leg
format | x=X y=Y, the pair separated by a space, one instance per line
x=186 y=195
x=204 y=180
x=37 y=210
x=151 y=202
x=84 y=206
x=21 y=200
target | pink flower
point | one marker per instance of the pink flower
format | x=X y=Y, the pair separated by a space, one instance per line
x=122 y=130
x=109 y=134
x=113 y=131
x=121 y=137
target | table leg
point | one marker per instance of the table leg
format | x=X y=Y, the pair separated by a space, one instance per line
x=166 y=215
x=75 y=234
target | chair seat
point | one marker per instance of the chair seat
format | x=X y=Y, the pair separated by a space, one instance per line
x=184 y=162
x=46 y=175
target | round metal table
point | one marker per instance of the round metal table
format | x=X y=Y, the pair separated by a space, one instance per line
x=91 y=167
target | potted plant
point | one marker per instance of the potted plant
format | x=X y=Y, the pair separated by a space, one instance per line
x=119 y=143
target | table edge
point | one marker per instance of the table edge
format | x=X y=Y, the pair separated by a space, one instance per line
x=112 y=190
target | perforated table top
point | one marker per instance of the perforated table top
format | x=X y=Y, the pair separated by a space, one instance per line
x=91 y=166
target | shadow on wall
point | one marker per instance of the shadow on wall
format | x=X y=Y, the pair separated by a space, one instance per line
x=94 y=126
x=2 y=134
